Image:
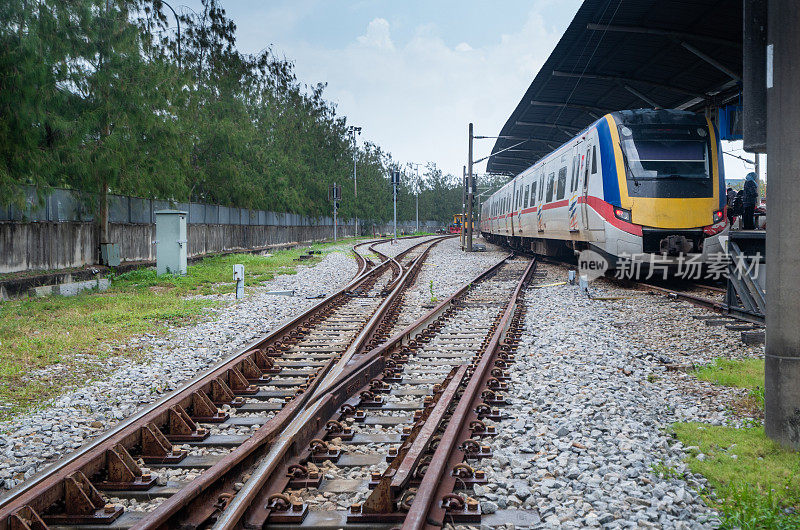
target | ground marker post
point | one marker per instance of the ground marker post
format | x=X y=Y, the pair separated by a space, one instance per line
x=238 y=277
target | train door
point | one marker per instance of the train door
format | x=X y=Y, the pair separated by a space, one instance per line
x=513 y=208
x=574 y=191
x=540 y=208
x=584 y=154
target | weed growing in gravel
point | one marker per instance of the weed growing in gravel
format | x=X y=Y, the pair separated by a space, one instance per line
x=756 y=483
x=433 y=297
x=666 y=471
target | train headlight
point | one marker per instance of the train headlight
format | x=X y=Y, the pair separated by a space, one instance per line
x=622 y=214
x=719 y=215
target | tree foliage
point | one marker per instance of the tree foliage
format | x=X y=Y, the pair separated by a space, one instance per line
x=100 y=96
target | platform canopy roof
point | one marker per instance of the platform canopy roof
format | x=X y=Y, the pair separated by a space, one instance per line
x=625 y=54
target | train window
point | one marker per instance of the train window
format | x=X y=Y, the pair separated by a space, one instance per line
x=533 y=194
x=541 y=187
x=550 y=181
x=594 y=159
x=562 y=182
x=573 y=183
x=527 y=196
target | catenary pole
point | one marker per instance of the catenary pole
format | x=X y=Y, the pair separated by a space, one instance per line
x=353 y=131
x=335 y=204
x=394 y=197
x=470 y=193
x=415 y=166
x=463 y=205
x=782 y=359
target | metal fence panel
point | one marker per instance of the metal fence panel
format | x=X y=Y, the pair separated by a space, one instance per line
x=140 y=210
x=224 y=215
x=156 y=205
x=197 y=213
x=212 y=214
x=63 y=206
x=118 y=209
x=34 y=211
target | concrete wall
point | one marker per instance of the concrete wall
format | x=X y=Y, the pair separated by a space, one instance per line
x=45 y=246
x=60 y=245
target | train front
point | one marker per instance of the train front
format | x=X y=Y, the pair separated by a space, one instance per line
x=671 y=185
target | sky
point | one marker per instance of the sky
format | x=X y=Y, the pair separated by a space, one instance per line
x=414 y=73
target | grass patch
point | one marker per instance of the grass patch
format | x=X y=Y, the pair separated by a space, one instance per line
x=756 y=482
x=42 y=332
x=745 y=373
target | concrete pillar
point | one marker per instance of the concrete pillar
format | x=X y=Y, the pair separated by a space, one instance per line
x=754 y=88
x=782 y=385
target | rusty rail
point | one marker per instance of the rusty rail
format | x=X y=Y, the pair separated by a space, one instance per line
x=196 y=504
x=151 y=429
x=251 y=510
x=434 y=494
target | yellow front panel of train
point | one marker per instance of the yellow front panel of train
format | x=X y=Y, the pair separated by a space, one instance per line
x=659 y=212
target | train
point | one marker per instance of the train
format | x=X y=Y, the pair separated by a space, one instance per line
x=640 y=185
x=458 y=224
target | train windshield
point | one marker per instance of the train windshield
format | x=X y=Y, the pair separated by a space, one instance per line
x=667 y=160
x=659 y=152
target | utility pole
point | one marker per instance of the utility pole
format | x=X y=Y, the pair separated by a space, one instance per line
x=353 y=131
x=470 y=192
x=395 y=184
x=782 y=352
x=415 y=165
x=335 y=194
x=463 y=206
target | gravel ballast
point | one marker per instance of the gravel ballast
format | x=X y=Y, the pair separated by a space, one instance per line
x=591 y=401
x=61 y=426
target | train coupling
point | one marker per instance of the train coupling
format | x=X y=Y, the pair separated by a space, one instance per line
x=676 y=245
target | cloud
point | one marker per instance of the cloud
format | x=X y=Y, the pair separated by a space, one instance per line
x=377 y=35
x=416 y=98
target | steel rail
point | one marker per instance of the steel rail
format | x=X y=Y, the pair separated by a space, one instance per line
x=423 y=511
x=236 y=509
x=706 y=303
x=278 y=431
x=358 y=375
x=40 y=490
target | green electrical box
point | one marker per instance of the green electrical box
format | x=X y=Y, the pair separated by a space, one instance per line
x=171 y=242
x=109 y=254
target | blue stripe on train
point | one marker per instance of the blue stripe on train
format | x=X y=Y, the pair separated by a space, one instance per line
x=608 y=164
x=723 y=199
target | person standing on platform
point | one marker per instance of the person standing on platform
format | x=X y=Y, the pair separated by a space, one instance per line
x=750 y=198
x=731 y=198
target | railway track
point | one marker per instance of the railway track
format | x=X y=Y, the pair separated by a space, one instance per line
x=168 y=447
x=416 y=406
